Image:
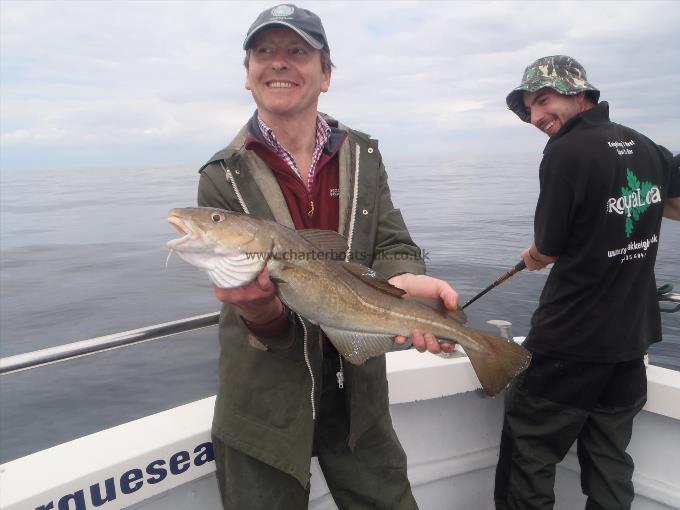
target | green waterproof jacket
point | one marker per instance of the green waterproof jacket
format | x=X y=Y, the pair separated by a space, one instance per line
x=269 y=388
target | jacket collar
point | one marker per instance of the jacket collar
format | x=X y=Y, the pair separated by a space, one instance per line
x=236 y=154
x=599 y=114
x=336 y=138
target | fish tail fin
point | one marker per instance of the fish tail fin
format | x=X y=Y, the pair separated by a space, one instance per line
x=497 y=362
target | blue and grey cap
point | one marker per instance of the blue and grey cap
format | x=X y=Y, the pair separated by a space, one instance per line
x=305 y=23
x=558 y=72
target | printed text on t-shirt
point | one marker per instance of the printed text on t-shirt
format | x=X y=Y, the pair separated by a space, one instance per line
x=634 y=249
x=622 y=147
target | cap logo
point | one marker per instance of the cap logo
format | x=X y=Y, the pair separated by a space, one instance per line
x=282 y=11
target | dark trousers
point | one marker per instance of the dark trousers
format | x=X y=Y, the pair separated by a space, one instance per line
x=554 y=403
x=372 y=476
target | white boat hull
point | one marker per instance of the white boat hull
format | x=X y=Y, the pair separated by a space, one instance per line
x=449 y=430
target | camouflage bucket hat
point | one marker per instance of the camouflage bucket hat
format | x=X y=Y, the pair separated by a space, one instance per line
x=558 y=72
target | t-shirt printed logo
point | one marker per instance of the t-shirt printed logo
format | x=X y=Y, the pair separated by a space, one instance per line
x=334 y=192
x=623 y=147
x=635 y=199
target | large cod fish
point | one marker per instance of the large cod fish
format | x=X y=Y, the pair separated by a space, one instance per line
x=359 y=311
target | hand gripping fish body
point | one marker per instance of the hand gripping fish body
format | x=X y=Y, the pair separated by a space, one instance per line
x=359 y=311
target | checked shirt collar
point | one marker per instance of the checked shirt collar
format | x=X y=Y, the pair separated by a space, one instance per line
x=323 y=133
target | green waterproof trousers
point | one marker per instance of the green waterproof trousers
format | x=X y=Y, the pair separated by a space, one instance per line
x=371 y=476
x=555 y=403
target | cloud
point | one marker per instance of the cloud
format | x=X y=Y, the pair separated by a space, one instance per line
x=163 y=81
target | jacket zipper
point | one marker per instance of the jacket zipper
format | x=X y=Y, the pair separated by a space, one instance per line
x=340 y=374
x=230 y=180
x=353 y=215
x=309 y=366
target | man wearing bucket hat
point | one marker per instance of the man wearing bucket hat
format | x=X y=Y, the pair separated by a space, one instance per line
x=285 y=394
x=603 y=191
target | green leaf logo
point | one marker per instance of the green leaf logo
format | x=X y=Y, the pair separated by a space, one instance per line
x=637 y=197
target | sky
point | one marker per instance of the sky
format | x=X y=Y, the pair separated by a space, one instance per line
x=87 y=84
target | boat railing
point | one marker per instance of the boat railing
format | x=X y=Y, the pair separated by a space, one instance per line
x=665 y=294
x=34 y=359
x=29 y=360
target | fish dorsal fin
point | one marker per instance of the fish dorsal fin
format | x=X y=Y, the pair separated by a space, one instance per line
x=326 y=241
x=370 y=277
x=457 y=315
x=438 y=305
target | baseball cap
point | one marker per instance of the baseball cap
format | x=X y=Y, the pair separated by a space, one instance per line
x=558 y=72
x=304 y=22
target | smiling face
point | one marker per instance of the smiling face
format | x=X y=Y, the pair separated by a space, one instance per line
x=285 y=74
x=550 y=110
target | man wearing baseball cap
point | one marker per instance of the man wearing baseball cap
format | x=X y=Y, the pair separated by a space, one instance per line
x=285 y=393
x=603 y=191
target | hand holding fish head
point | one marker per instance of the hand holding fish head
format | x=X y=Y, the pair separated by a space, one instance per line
x=257 y=301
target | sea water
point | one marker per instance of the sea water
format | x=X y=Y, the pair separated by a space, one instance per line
x=82 y=254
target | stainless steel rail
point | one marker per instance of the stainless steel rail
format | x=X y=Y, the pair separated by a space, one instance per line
x=26 y=361
x=670 y=296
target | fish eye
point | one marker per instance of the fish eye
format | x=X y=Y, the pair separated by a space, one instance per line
x=217 y=217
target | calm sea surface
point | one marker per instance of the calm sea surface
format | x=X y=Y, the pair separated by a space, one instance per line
x=82 y=254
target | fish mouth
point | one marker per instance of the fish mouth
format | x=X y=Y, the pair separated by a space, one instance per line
x=179 y=225
x=187 y=230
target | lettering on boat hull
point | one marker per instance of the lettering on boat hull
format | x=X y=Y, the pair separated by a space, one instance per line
x=99 y=494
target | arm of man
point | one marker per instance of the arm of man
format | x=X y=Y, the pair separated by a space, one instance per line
x=396 y=254
x=554 y=214
x=425 y=286
x=257 y=301
x=535 y=260
x=671 y=208
x=394 y=251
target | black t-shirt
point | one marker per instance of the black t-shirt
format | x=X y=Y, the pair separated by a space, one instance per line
x=602 y=191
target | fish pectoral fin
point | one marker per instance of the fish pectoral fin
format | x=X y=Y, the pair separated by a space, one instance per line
x=358 y=346
x=326 y=241
x=370 y=277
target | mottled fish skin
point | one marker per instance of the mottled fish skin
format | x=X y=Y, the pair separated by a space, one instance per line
x=358 y=316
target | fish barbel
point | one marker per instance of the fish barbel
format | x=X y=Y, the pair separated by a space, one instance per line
x=359 y=311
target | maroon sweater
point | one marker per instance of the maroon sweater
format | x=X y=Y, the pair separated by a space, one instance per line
x=317 y=208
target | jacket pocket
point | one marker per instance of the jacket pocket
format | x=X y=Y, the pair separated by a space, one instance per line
x=266 y=387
